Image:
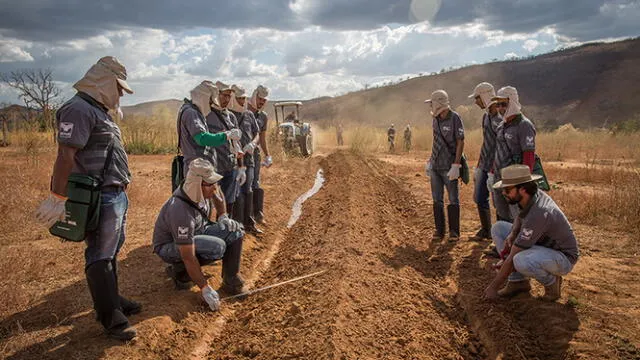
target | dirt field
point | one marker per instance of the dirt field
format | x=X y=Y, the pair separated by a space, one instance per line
x=388 y=291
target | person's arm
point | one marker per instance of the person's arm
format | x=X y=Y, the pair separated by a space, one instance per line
x=62 y=169
x=263 y=142
x=188 y=256
x=506 y=269
x=209 y=139
x=529 y=159
x=219 y=202
x=459 y=149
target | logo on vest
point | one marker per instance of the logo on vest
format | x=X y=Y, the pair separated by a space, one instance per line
x=508 y=136
x=183 y=232
x=66 y=129
x=446 y=129
x=530 y=140
x=526 y=234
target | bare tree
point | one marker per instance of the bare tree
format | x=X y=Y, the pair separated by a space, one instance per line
x=4 y=119
x=38 y=91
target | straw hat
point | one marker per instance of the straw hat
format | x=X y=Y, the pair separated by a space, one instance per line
x=515 y=175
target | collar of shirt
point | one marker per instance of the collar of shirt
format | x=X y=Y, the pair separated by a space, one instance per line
x=513 y=122
x=525 y=211
x=449 y=115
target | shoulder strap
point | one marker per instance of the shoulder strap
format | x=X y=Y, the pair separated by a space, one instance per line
x=193 y=205
x=182 y=109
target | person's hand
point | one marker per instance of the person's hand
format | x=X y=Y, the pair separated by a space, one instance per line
x=498 y=265
x=268 y=161
x=51 y=210
x=241 y=178
x=227 y=223
x=490 y=293
x=233 y=134
x=211 y=297
x=491 y=179
x=249 y=148
x=454 y=172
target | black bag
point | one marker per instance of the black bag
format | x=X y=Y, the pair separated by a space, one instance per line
x=177 y=172
x=82 y=208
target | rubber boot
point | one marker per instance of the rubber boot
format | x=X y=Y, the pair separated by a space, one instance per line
x=230 y=212
x=128 y=307
x=238 y=208
x=258 y=204
x=178 y=273
x=249 y=222
x=232 y=282
x=438 y=217
x=485 y=221
x=453 y=213
x=106 y=301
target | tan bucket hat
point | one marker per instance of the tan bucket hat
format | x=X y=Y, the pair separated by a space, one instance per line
x=515 y=175
x=116 y=67
x=239 y=90
x=222 y=87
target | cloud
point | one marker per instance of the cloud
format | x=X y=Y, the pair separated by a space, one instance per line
x=14 y=51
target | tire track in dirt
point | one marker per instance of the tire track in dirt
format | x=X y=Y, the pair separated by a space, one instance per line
x=386 y=294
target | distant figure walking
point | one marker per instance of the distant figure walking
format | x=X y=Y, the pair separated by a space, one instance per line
x=391 y=138
x=407 y=138
x=339 y=131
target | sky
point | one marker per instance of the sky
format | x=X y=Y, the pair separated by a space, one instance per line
x=300 y=49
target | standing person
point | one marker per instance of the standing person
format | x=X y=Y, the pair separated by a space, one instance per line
x=90 y=143
x=339 y=131
x=407 y=138
x=445 y=163
x=229 y=163
x=391 y=138
x=249 y=142
x=256 y=105
x=194 y=138
x=540 y=243
x=515 y=144
x=185 y=238
x=483 y=93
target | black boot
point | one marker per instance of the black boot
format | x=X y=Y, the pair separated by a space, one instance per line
x=178 y=273
x=258 y=204
x=249 y=222
x=438 y=216
x=485 y=221
x=128 y=307
x=453 y=213
x=106 y=301
x=232 y=282
x=238 y=208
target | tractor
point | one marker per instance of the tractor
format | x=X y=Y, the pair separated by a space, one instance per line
x=294 y=134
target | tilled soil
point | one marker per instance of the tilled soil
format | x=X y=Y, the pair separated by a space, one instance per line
x=387 y=291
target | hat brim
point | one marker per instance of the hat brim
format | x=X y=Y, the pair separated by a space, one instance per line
x=214 y=178
x=472 y=96
x=428 y=101
x=125 y=86
x=504 y=183
x=499 y=98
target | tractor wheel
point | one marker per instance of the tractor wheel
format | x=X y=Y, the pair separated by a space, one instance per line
x=306 y=145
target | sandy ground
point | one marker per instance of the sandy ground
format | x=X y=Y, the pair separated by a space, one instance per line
x=388 y=291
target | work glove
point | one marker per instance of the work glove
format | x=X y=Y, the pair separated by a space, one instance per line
x=241 y=178
x=249 y=148
x=491 y=179
x=51 y=210
x=267 y=161
x=454 y=172
x=226 y=223
x=233 y=134
x=211 y=297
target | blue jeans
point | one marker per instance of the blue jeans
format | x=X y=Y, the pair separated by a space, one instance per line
x=210 y=244
x=538 y=262
x=480 y=190
x=105 y=242
x=257 y=158
x=440 y=180
x=229 y=186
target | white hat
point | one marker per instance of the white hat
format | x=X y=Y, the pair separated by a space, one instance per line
x=515 y=175
x=483 y=88
x=439 y=96
x=260 y=92
x=223 y=87
x=240 y=91
x=98 y=82
x=199 y=170
x=507 y=92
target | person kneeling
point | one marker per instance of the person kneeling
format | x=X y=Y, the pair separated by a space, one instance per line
x=184 y=237
x=540 y=244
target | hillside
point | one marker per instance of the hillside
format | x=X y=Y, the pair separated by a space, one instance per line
x=593 y=85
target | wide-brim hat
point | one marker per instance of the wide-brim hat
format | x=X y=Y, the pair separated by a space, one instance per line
x=515 y=175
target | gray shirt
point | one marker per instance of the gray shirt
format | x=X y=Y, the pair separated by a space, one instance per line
x=544 y=224
x=218 y=121
x=191 y=123
x=263 y=120
x=512 y=139
x=178 y=222
x=489 y=132
x=249 y=127
x=83 y=123
x=446 y=132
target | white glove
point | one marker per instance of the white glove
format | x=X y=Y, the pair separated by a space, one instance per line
x=268 y=161
x=227 y=223
x=241 y=178
x=211 y=297
x=454 y=172
x=233 y=134
x=248 y=149
x=427 y=168
x=51 y=210
x=491 y=179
